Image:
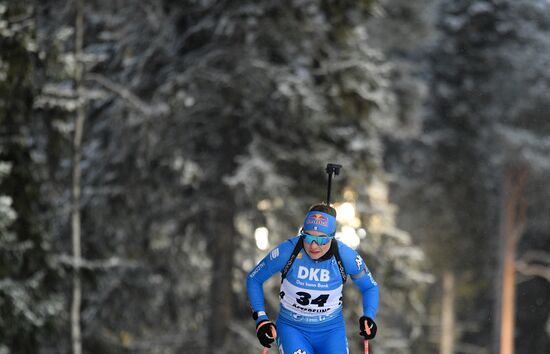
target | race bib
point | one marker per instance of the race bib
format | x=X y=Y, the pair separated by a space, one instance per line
x=310 y=302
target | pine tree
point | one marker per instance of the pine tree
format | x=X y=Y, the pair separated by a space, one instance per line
x=28 y=301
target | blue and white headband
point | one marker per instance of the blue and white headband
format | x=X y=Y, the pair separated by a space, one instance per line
x=319 y=221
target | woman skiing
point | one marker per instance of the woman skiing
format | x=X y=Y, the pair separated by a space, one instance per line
x=314 y=267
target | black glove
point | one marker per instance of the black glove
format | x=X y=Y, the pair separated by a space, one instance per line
x=266 y=332
x=371 y=325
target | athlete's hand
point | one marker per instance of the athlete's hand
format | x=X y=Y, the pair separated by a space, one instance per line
x=266 y=332
x=368 y=327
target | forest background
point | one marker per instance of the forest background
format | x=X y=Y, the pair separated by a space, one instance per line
x=152 y=151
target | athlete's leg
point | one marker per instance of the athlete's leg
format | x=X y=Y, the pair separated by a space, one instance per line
x=331 y=341
x=291 y=340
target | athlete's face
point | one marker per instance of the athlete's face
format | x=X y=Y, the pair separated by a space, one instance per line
x=313 y=250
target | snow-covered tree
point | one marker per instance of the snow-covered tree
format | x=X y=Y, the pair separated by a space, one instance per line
x=486 y=97
x=28 y=299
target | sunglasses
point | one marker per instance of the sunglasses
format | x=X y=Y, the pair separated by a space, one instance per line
x=321 y=240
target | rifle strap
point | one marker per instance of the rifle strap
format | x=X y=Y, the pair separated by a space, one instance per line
x=297 y=249
x=336 y=254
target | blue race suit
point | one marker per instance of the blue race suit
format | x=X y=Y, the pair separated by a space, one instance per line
x=310 y=318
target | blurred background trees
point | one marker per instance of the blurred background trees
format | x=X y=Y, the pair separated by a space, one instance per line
x=207 y=128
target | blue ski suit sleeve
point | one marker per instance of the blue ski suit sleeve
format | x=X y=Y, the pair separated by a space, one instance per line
x=362 y=277
x=272 y=263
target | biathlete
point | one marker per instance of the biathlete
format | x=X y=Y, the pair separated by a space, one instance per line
x=314 y=267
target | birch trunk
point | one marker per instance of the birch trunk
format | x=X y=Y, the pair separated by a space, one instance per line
x=512 y=222
x=447 y=340
x=76 y=332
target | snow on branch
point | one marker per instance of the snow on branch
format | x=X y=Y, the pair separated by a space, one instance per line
x=535 y=263
x=537 y=256
x=124 y=93
x=522 y=137
x=529 y=146
x=105 y=264
x=16 y=247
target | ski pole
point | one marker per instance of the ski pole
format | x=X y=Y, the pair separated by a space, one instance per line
x=366 y=342
x=274 y=334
